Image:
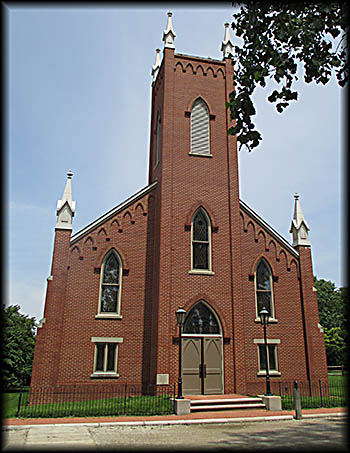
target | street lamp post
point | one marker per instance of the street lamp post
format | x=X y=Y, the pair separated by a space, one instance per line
x=264 y=319
x=180 y=317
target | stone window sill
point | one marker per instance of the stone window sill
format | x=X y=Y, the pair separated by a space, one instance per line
x=104 y=375
x=201 y=272
x=200 y=155
x=108 y=316
x=271 y=320
x=271 y=373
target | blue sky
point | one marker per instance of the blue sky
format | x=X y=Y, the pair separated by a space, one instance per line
x=79 y=92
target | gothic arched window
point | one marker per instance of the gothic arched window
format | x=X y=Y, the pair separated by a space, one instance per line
x=201 y=241
x=263 y=288
x=110 y=293
x=200 y=319
x=200 y=136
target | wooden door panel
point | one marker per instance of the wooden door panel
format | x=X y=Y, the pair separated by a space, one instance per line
x=191 y=359
x=213 y=364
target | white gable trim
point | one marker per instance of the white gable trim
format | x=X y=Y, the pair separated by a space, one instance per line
x=267 y=228
x=112 y=212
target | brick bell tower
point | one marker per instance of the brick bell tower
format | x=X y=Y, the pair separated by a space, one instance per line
x=196 y=165
x=49 y=334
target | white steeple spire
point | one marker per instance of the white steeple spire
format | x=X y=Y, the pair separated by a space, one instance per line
x=169 y=34
x=299 y=228
x=227 y=46
x=66 y=207
x=156 y=66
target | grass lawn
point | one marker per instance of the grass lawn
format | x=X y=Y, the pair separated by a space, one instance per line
x=137 y=405
x=336 y=379
x=150 y=405
x=9 y=404
x=335 y=398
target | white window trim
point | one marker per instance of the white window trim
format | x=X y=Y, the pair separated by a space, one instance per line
x=202 y=271
x=272 y=318
x=209 y=147
x=111 y=374
x=259 y=341
x=108 y=316
x=107 y=340
x=116 y=314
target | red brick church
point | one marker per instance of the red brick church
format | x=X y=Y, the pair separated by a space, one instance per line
x=186 y=239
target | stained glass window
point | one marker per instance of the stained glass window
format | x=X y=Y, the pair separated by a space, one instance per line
x=200 y=241
x=263 y=287
x=200 y=319
x=110 y=284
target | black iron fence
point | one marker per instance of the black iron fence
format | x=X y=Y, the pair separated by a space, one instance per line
x=313 y=394
x=95 y=400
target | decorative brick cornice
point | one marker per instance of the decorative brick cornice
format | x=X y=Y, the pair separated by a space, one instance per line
x=112 y=212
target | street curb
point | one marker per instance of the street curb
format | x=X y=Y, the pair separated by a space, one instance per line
x=183 y=422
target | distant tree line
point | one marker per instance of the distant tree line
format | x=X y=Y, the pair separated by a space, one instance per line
x=18 y=332
x=333 y=313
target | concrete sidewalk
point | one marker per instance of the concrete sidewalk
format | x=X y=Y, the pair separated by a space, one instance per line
x=230 y=416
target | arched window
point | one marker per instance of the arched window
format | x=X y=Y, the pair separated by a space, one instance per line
x=201 y=320
x=263 y=288
x=200 y=136
x=110 y=293
x=201 y=241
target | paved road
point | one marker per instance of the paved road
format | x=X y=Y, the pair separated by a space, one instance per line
x=291 y=435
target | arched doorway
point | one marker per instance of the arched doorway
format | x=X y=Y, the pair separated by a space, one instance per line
x=202 y=356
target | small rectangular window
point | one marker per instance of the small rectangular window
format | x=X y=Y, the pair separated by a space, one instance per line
x=272 y=357
x=106 y=357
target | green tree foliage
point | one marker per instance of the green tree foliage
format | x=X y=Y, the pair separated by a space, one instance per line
x=18 y=347
x=279 y=38
x=332 y=306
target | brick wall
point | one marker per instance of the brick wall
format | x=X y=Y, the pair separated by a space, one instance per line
x=153 y=239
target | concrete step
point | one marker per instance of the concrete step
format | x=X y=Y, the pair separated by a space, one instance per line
x=226 y=400
x=225 y=407
x=216 y=404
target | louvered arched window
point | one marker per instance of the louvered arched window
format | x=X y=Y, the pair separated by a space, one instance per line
x=200 y=135
x=263 y=288
x=110 y=290
x=201 y=241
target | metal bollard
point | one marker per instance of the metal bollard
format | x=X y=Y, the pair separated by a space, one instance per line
x=19 y=402
x=297 y=402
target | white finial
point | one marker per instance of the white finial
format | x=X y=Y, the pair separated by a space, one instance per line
x=169 y=34
x=299 y=227
x=156 y=66
x=227 y=46
x=65 y=206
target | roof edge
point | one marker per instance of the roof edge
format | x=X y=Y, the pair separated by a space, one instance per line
x=112 y=212
x=267 y=227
